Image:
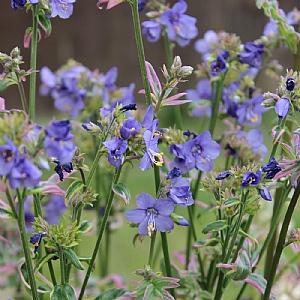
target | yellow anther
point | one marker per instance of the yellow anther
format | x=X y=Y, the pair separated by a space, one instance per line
x=254 y=119
x=151 y=229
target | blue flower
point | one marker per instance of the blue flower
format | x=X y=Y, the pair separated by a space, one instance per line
x=251 y=178
x=8 y=156
x=152 y=215
x=54 y=209
x=203 y=46
x=203 y=150
x=62 y=8
x=282 y=107
x=219 y=65
x=181 y=28
x=183 y=159
x=180 y=192
x=152 y=154
x=116 y=149
x=174 y=173
x=152 y=30
x=24 y=173
x=58 y=142
x=141 y=4
x=202 y=92
x=15 y=4
x=129 y=129
x=250 y=111
x=265 y=193
x=271 y=168
x=252 y=54
x=36 y=240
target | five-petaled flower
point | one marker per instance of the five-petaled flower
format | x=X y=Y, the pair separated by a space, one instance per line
x=219 y=65
x=116 y=149
x=252 y=54
x=152 y=215
x=251 y=178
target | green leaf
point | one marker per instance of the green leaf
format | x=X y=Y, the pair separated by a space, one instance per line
x=259 y=283
x=232 y=201
x=122 y=191
x=205 y=243
x=85 y=226
x=252 y=239
x=44 y=260
x=63 y=292
x=215 y=226
x=73 y=190
x=46 y=23
x=72 y=257
x=5 y=213
x=112 y=294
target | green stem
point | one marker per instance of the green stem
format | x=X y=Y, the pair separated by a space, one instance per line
x=140 y=49
x=11 y=203
x=281 y=123
x=151 y=252
x=23 y=97
x=52 y=273
x=101 y=232
x=165 y=249
x=281 y=241
x=216 y=104
x=21 y=224
x=33 y=56
x=62 y=266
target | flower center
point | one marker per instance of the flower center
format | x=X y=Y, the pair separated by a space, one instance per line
x=152 y=213
x=8 y=155
x=156 y=158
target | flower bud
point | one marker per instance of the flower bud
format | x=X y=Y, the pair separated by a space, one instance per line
x=179 y=220
x=185 y=71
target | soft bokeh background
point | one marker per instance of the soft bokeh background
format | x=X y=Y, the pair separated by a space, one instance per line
x=100 y=39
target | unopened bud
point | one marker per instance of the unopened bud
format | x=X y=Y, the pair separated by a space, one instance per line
x=185 y=71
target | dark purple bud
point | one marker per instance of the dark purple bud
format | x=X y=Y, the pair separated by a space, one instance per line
x=282 y=107
x=36 y=239
x=174 y=173
x=223 y=175
x=265 y=193
x=131 y=106
x=68 y=167
x=290 y=84
x=271 y=168
x=141 y=4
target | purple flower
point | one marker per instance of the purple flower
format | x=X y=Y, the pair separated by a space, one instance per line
x=223 y=175
x=152 y=154
x=203 y=46
x=36 y=240
x=282 y=107
x=131 y=106
x=58 y=142
x=174 y=173
x=141 y=4
x=24 y=173
x=251 y=178
x=250 y=111
x=64 y=88
x=265 y=193
x=129 y=129
x=180 y=192
x=15 y=4
x=202 y=92
x=148 y=118
x=290 y=84
x=62 y=8
x=8 y=156
x=203 y=150
x=252 y=54
x=54 y=209
x=116 y=149
x=152 y=215
x=271 y=168
x=34 y=2
x=219 y=65
x=183 y=159
x=152 y=30
x=181 y=28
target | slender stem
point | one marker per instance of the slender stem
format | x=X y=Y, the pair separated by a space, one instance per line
x=62 y=266
x=281 y=123
x=165 y=249
x=281 y=241
x=151 y=252
x=21 y=224
x=23 y=97
x=216 y=104
x=52 y=273
x=140 y=48
x=101 y=232
x=11 y=203
x=33 y=56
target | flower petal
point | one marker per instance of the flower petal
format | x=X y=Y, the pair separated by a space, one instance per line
x=135 y=215
x=164 y=206
x=164 y=223
x=144 y=201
